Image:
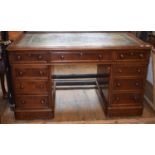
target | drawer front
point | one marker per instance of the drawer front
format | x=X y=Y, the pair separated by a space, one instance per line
x=31 y=87
x=80 y=56
x=31 y=102
x=127 y=99
x=30 y=72
x=128 y=84
x=28 y=57
x=132 y=55
x=128 y=70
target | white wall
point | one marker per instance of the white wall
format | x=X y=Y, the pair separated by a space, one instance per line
x=149 y=74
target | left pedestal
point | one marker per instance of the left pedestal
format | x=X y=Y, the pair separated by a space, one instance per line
x=32 y=85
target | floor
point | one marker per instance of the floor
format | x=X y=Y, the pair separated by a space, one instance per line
x=77 y=106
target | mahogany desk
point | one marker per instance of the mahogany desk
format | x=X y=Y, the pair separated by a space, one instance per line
x=121 y=55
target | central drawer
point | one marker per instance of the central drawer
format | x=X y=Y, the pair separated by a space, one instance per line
x=31 y=87
x=81 y=56
x=32 y=102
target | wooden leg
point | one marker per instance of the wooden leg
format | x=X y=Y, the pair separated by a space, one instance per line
x=3 y=86
x=103 y=69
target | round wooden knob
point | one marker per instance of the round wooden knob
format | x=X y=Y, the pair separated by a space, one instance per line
x=108 y=68
x=117 y=98
x=118 y=84
x=131 y=53
x=100 y=56
x=81 y=54
x=62 y=57
x=141 y=55
x=29 y=54
x=120 y=70
x=20 y=73
x=41 y=86
x=19 y=57
x=22 y=102
x=21 y=86
x=135 y=98
x=139 y=70
x=42 y=101
x=137 y=84
x=40 y=57
x=41 y=73
x=122 y=56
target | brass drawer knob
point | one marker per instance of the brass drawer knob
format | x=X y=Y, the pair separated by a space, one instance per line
x=62 y=57
x=122 y=56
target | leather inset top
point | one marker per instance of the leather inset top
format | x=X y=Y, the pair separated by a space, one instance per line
x=75 y=40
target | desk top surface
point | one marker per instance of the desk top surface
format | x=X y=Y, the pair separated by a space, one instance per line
x=75 y=40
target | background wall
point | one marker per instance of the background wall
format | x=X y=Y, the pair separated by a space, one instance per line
x=149 y=74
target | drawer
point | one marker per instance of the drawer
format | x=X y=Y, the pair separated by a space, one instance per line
x=127 y=99
x=129 y=55
x=129 y=70
x=28 y=57
x=32 y=102
x=25 y=71
x=83 y=56
x=128 y=84
x=31 y=86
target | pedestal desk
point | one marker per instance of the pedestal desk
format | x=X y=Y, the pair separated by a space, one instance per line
x=121 y=55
